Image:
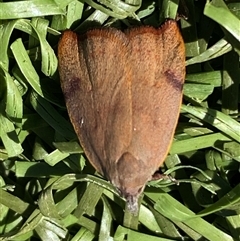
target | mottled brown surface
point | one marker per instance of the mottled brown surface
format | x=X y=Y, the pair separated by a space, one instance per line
x=123 y=93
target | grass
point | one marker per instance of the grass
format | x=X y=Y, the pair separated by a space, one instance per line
x=50 y=192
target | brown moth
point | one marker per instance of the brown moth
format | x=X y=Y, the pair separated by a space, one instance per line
x=123 y=92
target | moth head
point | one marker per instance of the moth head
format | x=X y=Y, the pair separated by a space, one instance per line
x=129 y=176
x=132 y=199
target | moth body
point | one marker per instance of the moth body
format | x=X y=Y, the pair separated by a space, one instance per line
x=123 y=92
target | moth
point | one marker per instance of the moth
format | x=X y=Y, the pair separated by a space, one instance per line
x=123 y=92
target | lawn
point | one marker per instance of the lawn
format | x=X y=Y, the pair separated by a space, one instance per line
x=50 y=191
